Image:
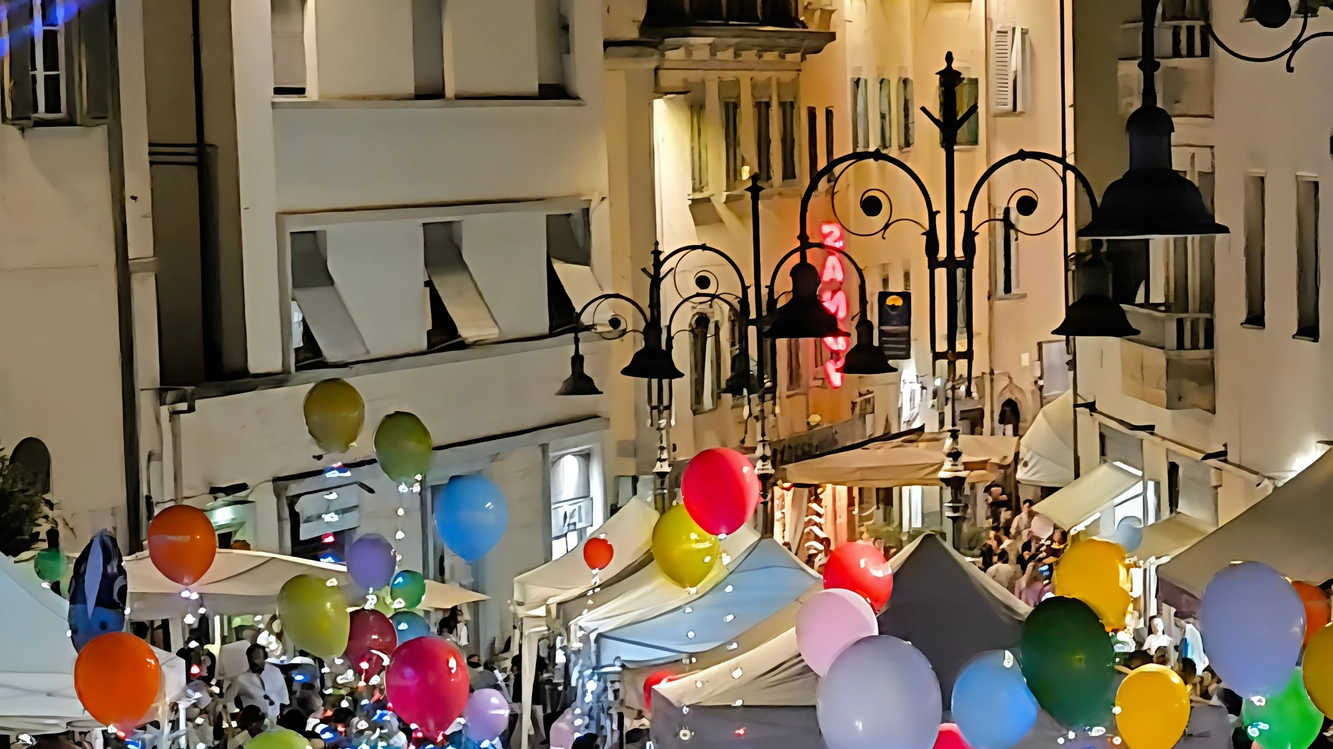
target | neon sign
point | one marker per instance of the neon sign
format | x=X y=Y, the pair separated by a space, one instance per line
x=834 y=299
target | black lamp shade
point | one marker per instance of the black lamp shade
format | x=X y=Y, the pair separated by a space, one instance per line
x=741 y=380
x=804 y=316
x=578 y=383
x=866 y=358
x=1152 y=199
x=652 y=362
x=1095 y=315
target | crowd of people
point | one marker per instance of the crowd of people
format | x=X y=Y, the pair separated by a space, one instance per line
x=1012 y=555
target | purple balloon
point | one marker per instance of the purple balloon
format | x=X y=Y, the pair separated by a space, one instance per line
x=1253 y=623
x=486 y=715
x=371 y=562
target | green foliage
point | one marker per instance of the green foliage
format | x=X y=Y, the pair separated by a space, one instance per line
x=22 y=508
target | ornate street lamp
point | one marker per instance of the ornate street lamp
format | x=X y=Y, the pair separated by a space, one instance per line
x=953 y=475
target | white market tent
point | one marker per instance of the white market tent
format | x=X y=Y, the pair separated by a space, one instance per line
x=1170 y=536
x=1046 y=452
x=647 y=593
x=37 y=669
x=1087 y=495
x=248 y=582
x=630 y=532
x=764 y=580
x=1287 y=530
x=913 y=460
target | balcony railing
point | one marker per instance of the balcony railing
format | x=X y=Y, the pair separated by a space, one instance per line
x=683 y=13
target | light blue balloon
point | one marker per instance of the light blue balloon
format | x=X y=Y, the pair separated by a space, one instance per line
x=1128 y=534
x=880 y=693
x=409 y=625
x=1253 y=624
x=470 y=515
x=992 y=705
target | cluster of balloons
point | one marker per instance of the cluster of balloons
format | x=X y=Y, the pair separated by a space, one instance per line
x=857 y=585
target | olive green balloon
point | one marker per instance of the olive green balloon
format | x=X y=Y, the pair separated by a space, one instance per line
x=50 y=564
x=314 y=615
x=1286 y=720
x=1069 y=662
x=409 y=587
x=279 y=738
x=403 y=447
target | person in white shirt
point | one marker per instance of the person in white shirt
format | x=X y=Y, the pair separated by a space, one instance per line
x=1004 y=571
x=262 y=686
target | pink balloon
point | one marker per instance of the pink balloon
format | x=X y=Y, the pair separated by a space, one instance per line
x=486 y=715
x=1042 y=526
x=828 y=622
x=720 y=489
x=562 y=733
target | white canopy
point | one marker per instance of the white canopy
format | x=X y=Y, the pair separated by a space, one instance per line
x=37 y=668
x=1287 y=530
x=630 y=532
x=646 y=593
x=1170 y=536
x=1089 y=493
x=772 y=674
x=248 y=582
x=1046 y=452
x=914 y=460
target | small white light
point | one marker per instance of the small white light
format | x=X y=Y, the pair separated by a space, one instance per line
x=401 y=512
x=728 y=589
x=399 y=536
x=689 y=609
x=708 y=559
x=732 y=646
x=726 y=558
x=1115 y=710
x=185 y=594
x=189 y=619
x=1060 y=740
x=203 y=610
x=736 y=673
x=1097 y=731
x=259 y=618
x=728 y=617
x=738 y=703
x=698 y=684
x=685 y=710
x=193 y=644
x=690 y=634
x=332 y=582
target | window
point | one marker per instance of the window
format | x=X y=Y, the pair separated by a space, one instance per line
x=907 y=127
x=965 y=99
x=964 y=309
x=705 y=363
x=1006 y=255
x=571 y=501
x=698 y=148
x=1254 y=250
x=1307 y=258
x=861 y=121
x=828 y=134
x=763 y=140
x=552 y=50
x=885 y=113
x=1053 y=360
x=288 y=47
x=729 y=93
x=58 y=66
x=321 y=306
x=787 y=113
x=796 y=365
x=31 y=454
x=812 y=138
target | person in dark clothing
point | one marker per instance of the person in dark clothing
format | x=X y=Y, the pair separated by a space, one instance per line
x=586 y=741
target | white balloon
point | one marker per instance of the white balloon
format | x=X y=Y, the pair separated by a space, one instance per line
x=828 y=622
x=880 y=693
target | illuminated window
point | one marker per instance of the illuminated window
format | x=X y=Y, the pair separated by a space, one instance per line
x=571 y=501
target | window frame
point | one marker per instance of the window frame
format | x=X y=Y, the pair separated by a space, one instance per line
x=84 y=54
x=885 y=114
x=1307 y=259
x=581 y=534
x=705 y=361
x=907 y=125
x=860 y=115
x=1255 y=248
x=699 y=182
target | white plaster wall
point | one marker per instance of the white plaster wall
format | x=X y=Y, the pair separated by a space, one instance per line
x=363 y=50
x=526 y=544
x=378 y=270
x=506 y=254
x=60 y=373
x=490 y=48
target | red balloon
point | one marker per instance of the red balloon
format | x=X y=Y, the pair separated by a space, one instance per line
x=371 y=633
x=182 y=543
x=721 y=490
x=655 y=678
x=860 y=568
x=950 y=737
x=597 y=553
x=116 y=678
x=427 y=684
x=1316 y=607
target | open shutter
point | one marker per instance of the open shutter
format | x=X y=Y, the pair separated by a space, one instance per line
x=92 y=67
x=18 y=63
x=1007 y=62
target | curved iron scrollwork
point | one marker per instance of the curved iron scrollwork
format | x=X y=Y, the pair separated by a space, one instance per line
x=1274 y=15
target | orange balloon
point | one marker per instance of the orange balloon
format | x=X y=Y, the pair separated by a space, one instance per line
x=117 y=678
x=182 y=543
x=1316 y=607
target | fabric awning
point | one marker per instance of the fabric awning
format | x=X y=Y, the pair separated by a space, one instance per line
x=1074 y=504
x=1046 y=452
x=630 y=532
x=1287 y=530
x=1171 y=536
x=248 y=582
x=915 y=460
x=772 y=674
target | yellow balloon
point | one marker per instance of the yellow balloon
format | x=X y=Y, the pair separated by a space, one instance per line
x=1152 y=708
x=684 y=552
x=403 y=447
x=334 y=415
x=314 y=615
x=1095 y=572
x=1317 y=669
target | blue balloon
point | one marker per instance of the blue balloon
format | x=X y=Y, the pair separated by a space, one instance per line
x=470 y=516
x=1253 y=625
x=409 y=626
x=1128 y=534
x=992 y=705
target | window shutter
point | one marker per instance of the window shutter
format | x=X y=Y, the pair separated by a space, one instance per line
x=92 y=69
x=1002 y=69
x=18 y=63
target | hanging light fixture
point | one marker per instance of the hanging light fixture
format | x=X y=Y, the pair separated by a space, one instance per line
x=741 y=380
x=1094 y=314
x=865 y=358
x=577 y=383
x=804 y=316
x=652 y=362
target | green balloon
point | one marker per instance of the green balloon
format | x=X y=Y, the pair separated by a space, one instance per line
x=279 y=738
x=1286 y=720
x=403 y=447
x=50 y=564
x=1069 y=662
x=408 y=587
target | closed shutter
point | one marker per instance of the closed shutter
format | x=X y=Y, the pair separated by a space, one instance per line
x=18 y=109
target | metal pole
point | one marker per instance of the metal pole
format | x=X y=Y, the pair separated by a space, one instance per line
x=1070 y=343
x=764 y=463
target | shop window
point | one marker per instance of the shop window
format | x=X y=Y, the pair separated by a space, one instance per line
x=705 y=363
x=1255 y=241
x=1307 y=258
x=571 y=501
x=58 y=63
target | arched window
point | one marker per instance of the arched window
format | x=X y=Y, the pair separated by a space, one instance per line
x=32 y=455
x=705 y=363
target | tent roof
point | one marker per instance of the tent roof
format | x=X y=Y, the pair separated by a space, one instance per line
x=37 y=669
x=948 y=608
x=248 y=582
x=1287 y=530
x=1074 y=504
x=772 y=674
x=1170 y=536
x=630 y=532
x=763 y=581
x=648 y=592
x=913 y=460
x=1046 y=452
